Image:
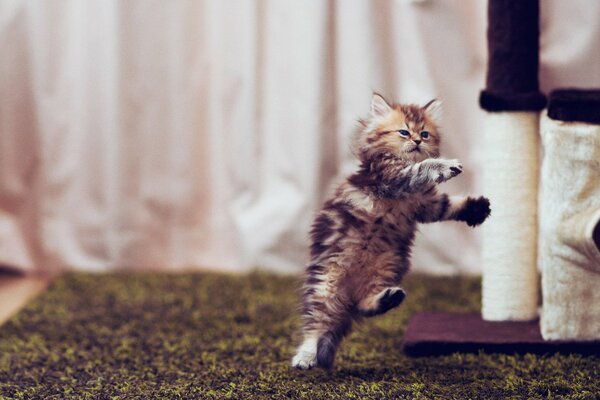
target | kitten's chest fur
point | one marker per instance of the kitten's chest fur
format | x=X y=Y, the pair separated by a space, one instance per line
x=386 y=220
x=363 y=228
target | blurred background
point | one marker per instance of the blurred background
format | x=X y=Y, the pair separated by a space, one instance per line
x=180 y=135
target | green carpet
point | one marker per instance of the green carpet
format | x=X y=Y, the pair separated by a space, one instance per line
x=159 y=336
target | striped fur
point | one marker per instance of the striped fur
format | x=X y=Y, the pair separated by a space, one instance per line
x=362 y=236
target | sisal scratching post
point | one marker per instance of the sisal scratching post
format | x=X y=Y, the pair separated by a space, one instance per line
x=510 y=278
x=512 y=101
x=570 y=216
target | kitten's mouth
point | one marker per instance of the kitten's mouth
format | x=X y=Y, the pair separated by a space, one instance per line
x=415 y=149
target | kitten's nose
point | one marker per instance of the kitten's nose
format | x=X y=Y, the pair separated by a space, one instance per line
x=417 y=141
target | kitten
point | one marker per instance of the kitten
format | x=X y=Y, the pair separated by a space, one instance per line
x=362 y=237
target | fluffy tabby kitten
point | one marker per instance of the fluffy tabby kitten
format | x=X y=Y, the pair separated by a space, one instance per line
x=362 y=237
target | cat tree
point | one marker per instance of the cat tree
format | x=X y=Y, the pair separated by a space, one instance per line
x=568 y=214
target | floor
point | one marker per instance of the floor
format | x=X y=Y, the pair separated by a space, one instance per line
x=210 y=335
x=17 y=290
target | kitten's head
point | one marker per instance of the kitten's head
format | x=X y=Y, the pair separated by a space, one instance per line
x=408 y=131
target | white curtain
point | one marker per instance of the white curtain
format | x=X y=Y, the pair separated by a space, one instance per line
x=172 y=135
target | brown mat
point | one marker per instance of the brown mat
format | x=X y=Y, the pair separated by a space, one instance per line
x=438 y=333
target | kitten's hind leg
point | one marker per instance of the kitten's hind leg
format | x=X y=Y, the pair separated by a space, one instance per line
x=323 y=331
x=306 y=355
x=327 y=317
x=381 y=302
x=319 y=346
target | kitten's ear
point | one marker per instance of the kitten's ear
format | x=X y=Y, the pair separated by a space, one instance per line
x=434 y=110
x=379 y=107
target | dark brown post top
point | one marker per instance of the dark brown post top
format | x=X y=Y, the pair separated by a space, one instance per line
x=576 y=105
x=513 y=57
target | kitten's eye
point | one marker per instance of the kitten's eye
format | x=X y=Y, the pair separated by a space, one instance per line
x=404 y=133
x=424 y=134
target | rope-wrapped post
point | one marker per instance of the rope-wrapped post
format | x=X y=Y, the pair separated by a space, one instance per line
x=513 y=103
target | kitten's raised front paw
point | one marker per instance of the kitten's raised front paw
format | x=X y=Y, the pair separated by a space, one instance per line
x=304 y=360
x=391 y=298
x=382 y=302
x=475 y=211
x=448 y=169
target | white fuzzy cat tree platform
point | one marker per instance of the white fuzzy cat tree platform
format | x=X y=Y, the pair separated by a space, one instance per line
x=568 y=216
x=569 y=253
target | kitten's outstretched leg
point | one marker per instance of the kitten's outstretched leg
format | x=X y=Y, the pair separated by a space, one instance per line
x=421 y=177
x=381 y=302
x=441 y=207
x=441 y=170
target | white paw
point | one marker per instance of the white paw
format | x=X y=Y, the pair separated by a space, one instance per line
x=448 y=169
x=304 y=360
